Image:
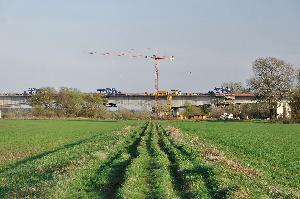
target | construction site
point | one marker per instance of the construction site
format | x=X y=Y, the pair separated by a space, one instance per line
x=149 y=99
x=163 y=103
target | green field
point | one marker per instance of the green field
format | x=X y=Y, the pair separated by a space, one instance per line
x=156 y=159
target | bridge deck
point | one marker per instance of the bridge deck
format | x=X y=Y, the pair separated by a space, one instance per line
x=141 y=100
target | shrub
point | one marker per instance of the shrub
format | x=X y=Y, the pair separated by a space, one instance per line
x=17 y=113
x=295 y=105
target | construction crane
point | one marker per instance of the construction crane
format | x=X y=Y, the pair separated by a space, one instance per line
x=155 y=57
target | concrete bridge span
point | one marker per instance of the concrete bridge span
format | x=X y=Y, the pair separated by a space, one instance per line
x=178 y=101
x=140 y=100
x=13 y=100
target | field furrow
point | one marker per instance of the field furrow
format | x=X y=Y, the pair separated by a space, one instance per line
x=149 y=171
x=144 y=160
x=32 y=176
x=192 y=177
x=237 y=179
x=136 y=184
x=161 y=181
x=111 y=174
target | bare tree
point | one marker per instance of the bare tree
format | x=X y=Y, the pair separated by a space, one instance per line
x=191 y=110
x=298 y=78
x=93 y=106
x=69 y=101
x=272 y=81
x=43 y=102
x=44 y=98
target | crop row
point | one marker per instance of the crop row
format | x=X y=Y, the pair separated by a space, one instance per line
x=111 y=173
x=241 y=179
x=161 y=168
x=148 y=175
x=33 y=176
x=145 y=162
x=193 y=176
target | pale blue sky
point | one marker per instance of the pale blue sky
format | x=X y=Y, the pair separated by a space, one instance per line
x=45 y=42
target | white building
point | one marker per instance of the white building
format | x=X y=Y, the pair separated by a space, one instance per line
x=284 y=110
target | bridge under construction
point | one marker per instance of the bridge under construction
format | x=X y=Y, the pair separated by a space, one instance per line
x=144 y=100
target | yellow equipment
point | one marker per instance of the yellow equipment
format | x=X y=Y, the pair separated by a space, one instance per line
x=199 y=117
x=169 y=98
x=161 y=93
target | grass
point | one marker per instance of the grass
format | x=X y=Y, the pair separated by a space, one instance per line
x=149 y=170
x=132 y=159
x=271 y=149
x=23 y=138
x=78 y=142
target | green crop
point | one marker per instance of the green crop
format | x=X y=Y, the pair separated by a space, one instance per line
x=155 y=159
x=264 y=158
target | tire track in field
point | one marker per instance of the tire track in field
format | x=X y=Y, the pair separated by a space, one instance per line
x=273 y=190
x=178 y=179
x=45 y=153
x=30 y=178
x=149 y=170
x=116 y=167
x=160 y=179
x=204 y=171
x=152 y=164
x=32 y=173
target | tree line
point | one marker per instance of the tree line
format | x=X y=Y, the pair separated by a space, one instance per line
x=71 y=102
x=273 y=81
x=67 y=102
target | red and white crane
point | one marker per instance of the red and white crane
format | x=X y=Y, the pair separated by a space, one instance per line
x=131 y=54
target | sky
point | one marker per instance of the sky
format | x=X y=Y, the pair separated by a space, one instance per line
x=46 y=43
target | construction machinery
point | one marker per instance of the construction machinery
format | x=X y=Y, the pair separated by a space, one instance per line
x=175 y=92
x=162 y=93
x=170 y=102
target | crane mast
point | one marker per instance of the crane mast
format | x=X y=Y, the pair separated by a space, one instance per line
x=155 y=57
